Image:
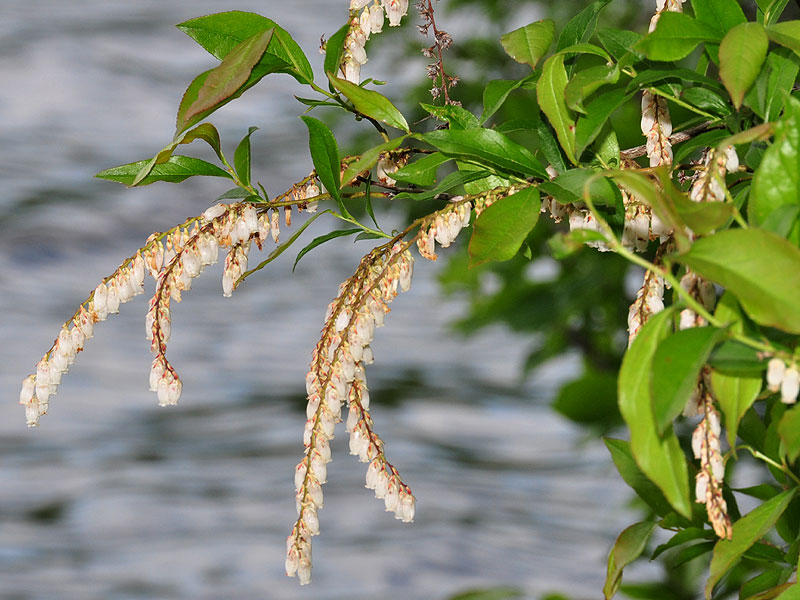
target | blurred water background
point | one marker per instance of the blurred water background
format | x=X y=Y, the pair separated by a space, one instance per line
x=114 y=497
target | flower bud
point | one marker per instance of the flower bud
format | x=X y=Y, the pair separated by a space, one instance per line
x=776 y=369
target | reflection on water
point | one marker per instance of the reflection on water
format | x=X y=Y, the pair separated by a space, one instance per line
x=115 y=498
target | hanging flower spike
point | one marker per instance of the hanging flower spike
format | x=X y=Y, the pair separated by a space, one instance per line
x=649 y=301
x=337 y=379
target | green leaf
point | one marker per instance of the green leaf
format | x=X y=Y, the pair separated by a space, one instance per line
x=369 y=159
x=629 y=546
x=746 y=532
x=495 y=94
x=488 y=147
x=175 y=170
x=741 y=54
x=647 y=78
x=789 y=430
x=618 y=42
x=241 y=158
x=734 y=358
x=548 y=145
x=691 y=147
x=675 y=36
x=689 y=534
x=325 y=155
x=758 y=267
x=790 y=591
x=659 y=457
x=371 y=103
x=776 y=183
x=528 y=44
x=598 y=111
x=452 y=181
x=220 y=33
x=568 y=187
x=786 y=34
x=700 y=217
x=783 y=71
x=318 y=241
x=220 y=85
x=334 y=48
x=590 y=400
x=588 y=81
x=626 y=465
x=459 y=118
x=676 y=367
x=550 y=91
x=421 y=172
x=722 y=15
x=706 y=100
x=735 y=395
x=501 y=228
x=580 y=27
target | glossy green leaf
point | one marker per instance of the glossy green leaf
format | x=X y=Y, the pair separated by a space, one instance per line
x=676 y=367
x=221 y=32
x=741 y=55
x=783 y=70
x=786 y=34
x=647 y=78
x=618 y=42
x=659 y=457
x=675 y=36
x=722 y=15
x=325 y=155
x=176 y=169
x=459 y=118
x=423 y=171
x=734 y=358
x=746 y=532
x=629 y=546
x=334 y=48
x=598 y=111
x=689 y=534
x=495 y=94
x=706 y=100
x=758 y=267
x=451 y=182
x=735 y=395
x=528 y=44
x=776 y=183
x=586 y=49
x=220 y=85
x=550 y=91
x=369 y=159
x=581 y=27
x=588 y=81
x=632 y=475
x=691 y=148
x=548 y=146
x=318 y=241
x=486 y=146
x=241 y=158
x=568 y=187
x=789 y=430
x=501 y=228
x=789 y=591
x=371 y=103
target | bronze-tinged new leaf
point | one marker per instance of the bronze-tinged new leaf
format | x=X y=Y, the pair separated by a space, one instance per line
x=741 y=55
x=746 y=532
x=216 y=87
x=325 y=156
x=528 y=44
x=501 y=229
x=371 y=103
x=758 y=267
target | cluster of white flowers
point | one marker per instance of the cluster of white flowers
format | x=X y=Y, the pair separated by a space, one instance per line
x=362 y=26
x=709 y=186
x=445 y=226
x=37 y=388
x=708 y=481
x=649 y=301
x=704 y=292
x=784 y=379
x=336 y=380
